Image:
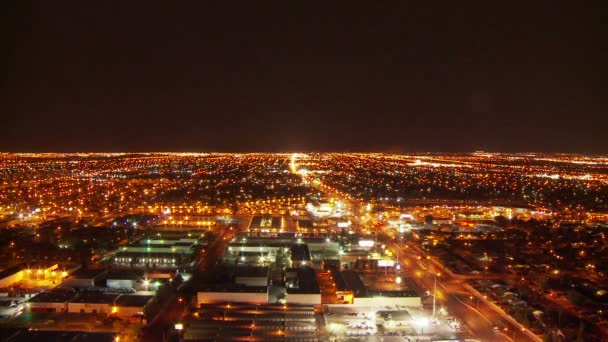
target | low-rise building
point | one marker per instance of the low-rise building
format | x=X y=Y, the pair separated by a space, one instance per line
x=168 y=249
x=407 y=298
x=83 y=278
x=251 y=276
x=92 y=302
x=129 y=307
x=41 y=272
x=125 y=279
x=300 y=255
x=55 y=300
x=11 y=275
x=322 y=248
x=233 y=293
x=394 y=320
x=265 y=224
x=302 y=287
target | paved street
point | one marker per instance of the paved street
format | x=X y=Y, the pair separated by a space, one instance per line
x=478 y=315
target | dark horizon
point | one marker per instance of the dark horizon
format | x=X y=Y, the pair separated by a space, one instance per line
x=116 y=77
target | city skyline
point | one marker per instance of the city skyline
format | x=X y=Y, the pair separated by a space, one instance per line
x=303 y=246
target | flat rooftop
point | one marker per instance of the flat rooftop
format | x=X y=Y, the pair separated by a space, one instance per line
x=232 y=287
x=133 y=300
x=86 y=273
x=338 y=278
x=399 y=293
x=95 y=297
x=300 y=252
x=262 y=241
x=252 y=271
x=297 y=322
x=26 y=335
x=305 y=223
x=307 y=281
x=53 y=296
x=401 y=315
x=265 y=222
x=119 y=274
x=354 y=283
x=11 y=270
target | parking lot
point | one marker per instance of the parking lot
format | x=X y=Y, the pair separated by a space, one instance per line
x=378 y=323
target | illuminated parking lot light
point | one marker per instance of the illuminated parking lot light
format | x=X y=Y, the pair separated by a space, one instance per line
x=421 y=322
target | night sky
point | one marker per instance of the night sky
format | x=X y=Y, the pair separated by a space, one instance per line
x=304 y=76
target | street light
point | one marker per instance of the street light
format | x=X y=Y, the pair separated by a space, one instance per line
x=474 y=302
x=421 y=322
x=435 y=294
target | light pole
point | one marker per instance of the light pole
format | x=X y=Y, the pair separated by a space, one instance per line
x=435 y=295
x=225 y=309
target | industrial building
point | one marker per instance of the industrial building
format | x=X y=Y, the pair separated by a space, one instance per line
x=227 y=322
x=92 y=302
x=164 y=247
x=251 y=275
x=254 y=250
x=266 y=225
x=131 y=306
x=302 y=286
x=232 y=293
x=11 y=275
x=55 y=300
x=126 y=279
x=84 y=278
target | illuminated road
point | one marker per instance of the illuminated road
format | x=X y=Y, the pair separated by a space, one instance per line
x=480 y=318
x=451 y=294
x=478 y=314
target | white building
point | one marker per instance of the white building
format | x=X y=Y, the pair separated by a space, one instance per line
x=55 y=300
x=234 y=294
x=131 y=306
x=92 y=302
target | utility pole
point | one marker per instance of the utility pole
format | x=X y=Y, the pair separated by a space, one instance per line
x=435 y=295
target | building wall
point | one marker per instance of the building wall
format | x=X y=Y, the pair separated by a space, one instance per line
x=90 y=308
x=252 y=281
x=121 y=283
x=388 y=301
x=236 y=248
x=345 y=296
x=47 y=307
x=232 y=297
x=41 y=273
x=126 y=312
x=11 y=279
x=323 y=246
x=77 y=282
x=307 y=299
